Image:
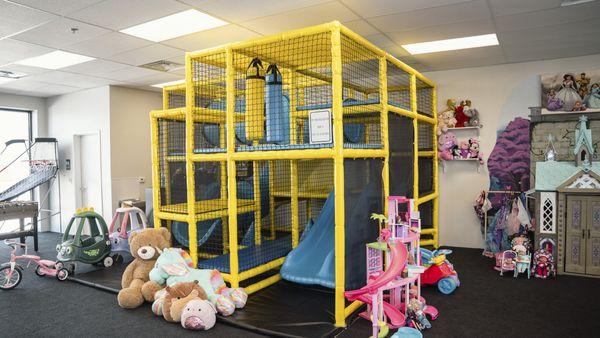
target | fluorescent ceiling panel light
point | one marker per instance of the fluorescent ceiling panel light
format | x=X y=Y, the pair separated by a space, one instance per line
x=452 y=44
x=4 y=80
x=175 y=25
x=161 y=85
x=567 y=3
x=55 y=60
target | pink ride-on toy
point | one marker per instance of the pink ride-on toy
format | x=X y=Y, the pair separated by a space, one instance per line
x=11 y=273
x=126 y=221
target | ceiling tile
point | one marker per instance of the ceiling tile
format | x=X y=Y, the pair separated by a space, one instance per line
x=15 y=18
x=465 y=11
x=147 y=54
x=211 y=38
x=509 y=7
x=155 y=79
x=60 y=7
x=129 y=73
x=301 y=18
x=24 y=69
x=559 y=35
x=119 y=14
x=57 y=34
x=237 y=11
x=70 y=79
x=98 y=68
x=548 y=51
x=380 y=40
x=108 y=45
x=361 y=27
x=373 y=8
x=571 y=14
x=53 y=90
x=14 y=50
x=22 y=84
x=453 y=30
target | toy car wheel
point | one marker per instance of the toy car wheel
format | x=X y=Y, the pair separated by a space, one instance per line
x=62 y=274
x=39 y=272
x=7 y=283
x=447 y=285
x=108 y=261
x=59 y=265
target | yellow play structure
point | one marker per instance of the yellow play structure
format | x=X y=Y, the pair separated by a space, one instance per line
x=248 y=151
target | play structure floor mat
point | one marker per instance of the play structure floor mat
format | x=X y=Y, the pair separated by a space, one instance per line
x=283 y=309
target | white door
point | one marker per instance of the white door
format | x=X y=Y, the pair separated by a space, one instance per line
x=90 y=172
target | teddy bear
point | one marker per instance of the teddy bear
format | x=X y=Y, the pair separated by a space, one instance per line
x=198 y=314
x=446 y=118
x=168 y=300
x=473 y=115
x=446 y=143
x=474 y=150
x=174 y=265
x=145 y=247
x=459 y=113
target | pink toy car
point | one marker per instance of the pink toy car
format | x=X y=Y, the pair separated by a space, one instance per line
x=11 y=273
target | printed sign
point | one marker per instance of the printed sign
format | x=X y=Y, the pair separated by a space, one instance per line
x=319 y=124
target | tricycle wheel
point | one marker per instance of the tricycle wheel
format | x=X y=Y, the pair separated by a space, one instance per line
x=447 y=285
x=39 y=272
x=62 y=274
x=108 y=261
x=6 y=282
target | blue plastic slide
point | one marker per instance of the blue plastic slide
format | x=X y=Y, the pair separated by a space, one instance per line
x=312 y=262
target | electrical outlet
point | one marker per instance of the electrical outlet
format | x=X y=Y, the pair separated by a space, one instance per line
x=141 y=180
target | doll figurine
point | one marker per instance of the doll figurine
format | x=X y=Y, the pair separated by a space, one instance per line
x=415 y=310
x=553 y=103
x=543 y=264
x=464 y=149
x=578 y=106
x=568 y=93
x=592 y=99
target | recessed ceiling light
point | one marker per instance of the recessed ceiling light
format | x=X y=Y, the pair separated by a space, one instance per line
x=175 y=25
x=566 y=3
x=452 y=44
x=55 y=60
x=4 y=80
x=161 y=85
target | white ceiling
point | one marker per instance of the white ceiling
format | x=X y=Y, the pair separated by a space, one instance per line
x=527 y=30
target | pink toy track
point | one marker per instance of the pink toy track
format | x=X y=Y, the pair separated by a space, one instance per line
x=394 y=316
x=398 y=255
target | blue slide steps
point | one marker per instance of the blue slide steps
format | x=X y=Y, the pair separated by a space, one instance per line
x=312 y=262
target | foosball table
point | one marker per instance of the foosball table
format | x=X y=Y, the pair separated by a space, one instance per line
x=20 y=210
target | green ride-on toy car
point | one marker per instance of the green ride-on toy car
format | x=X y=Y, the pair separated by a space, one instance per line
x=93 y=247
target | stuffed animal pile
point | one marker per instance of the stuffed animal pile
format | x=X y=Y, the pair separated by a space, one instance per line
x=167 y=277
x=458 y=116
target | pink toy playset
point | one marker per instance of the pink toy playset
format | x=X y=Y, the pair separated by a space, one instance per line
x=393 y=289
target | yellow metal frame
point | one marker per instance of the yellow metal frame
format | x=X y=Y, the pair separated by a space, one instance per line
x=229 y=156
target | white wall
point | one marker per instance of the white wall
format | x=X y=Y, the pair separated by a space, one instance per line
x=130 y=140
x=500 y=93
x=83 y=112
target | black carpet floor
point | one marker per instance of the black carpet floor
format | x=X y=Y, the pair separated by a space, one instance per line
x=486 y=305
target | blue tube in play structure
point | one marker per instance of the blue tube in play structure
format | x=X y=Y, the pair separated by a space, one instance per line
x=278 y=119
x=312 y=262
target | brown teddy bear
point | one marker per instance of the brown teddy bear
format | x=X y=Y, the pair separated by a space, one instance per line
x=145 y=247
x=177 y=296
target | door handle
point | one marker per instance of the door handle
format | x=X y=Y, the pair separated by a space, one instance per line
x=583 y=233
x=589 y=233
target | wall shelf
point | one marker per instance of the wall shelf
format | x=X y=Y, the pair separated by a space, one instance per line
x=476 y=160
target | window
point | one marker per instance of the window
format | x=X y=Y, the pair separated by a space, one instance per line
x=16 y=124
x=548 y=213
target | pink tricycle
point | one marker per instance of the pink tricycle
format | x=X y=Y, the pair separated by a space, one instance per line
x=11 y=272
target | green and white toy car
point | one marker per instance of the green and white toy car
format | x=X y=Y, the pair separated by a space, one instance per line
x=90 y=243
